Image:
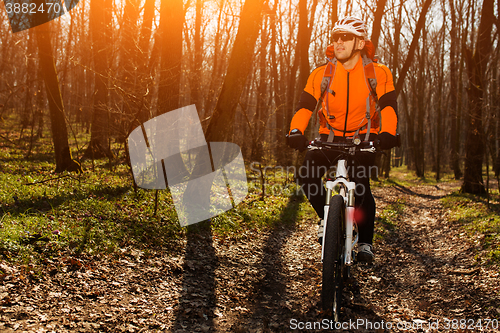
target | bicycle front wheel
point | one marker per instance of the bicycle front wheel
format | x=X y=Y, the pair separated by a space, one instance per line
x=333 y=261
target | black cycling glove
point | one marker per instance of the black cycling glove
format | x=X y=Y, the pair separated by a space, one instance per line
x=387 y=141
x=297 y=140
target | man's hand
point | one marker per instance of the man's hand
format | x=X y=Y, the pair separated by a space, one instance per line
x=387 y=141
x=297 y=140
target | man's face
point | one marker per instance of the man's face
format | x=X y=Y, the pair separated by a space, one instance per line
x=344 y=42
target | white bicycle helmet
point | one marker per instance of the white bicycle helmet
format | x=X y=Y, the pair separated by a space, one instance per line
x=353 y=25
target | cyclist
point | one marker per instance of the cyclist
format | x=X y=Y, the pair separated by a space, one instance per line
x=343 y=117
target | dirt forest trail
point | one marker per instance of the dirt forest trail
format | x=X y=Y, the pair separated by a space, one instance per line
x=268 y=282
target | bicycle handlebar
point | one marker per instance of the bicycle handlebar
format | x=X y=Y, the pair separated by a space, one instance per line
x=365 y=146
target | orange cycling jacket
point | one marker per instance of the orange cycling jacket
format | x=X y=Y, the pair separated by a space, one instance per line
x=344 y=104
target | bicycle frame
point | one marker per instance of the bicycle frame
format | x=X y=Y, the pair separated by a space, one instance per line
x=347 y=192
x=340 y=226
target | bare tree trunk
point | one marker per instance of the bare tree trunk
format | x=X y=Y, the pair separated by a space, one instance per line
x=100 y=21
x=64 y=161
x=146 y=29
x=455 y=42
x=40 y=102
x=220 y=128
x=277 y=91
x=377 y=22
x=476 y=68
x=302 y=50
x=413 y=46
x=170 y=35
x=216 y=71
x=129 y=62
x=292 y=64
x=303 y=41
x=260 y=119
x=439 y=125
x=145 y=67
x=410 y=130
x=398 y=151
x=195 y=78
x=334 y=14
x=87 y=77
x=27 y=113
x=383 y=162
x=65 y=78
x=420 y=113
x=496 y=162
x=237 y=72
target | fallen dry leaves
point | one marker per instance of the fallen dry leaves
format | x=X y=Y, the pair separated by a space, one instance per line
x=425 y=270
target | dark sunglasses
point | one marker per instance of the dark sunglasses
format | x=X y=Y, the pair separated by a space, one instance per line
x=346 y=37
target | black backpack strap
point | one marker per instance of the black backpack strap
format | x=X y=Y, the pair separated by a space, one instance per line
x=328 y=75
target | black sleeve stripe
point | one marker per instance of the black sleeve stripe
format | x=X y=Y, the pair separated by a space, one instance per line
x=389 y=99
x=307 y=101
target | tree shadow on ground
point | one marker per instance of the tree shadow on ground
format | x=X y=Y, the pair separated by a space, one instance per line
x=268 y=293
x=405 y=190
x=198 y=284
x=423 y=262
x=272 y=309
x=45 y=204
x=198 y=301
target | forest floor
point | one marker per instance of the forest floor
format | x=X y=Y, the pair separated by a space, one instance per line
x=425 y=278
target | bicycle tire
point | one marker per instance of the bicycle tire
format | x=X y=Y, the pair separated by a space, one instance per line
x=333 y=261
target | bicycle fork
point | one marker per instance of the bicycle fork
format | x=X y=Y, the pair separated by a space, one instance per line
x=347 y=191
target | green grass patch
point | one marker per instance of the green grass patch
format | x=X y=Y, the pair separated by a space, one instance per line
x=480 y=220
x=405 y=177
x=45 y=215
x=388 y=219
x=275 y=203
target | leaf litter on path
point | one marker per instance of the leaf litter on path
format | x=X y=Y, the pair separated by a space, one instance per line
x=424 y=272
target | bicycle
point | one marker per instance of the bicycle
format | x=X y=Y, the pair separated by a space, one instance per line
x=339 y=226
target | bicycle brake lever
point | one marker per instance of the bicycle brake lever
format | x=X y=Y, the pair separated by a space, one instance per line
x=313 y=145
x=370 y=150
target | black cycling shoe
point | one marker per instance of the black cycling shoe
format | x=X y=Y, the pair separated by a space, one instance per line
x=365 y=253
